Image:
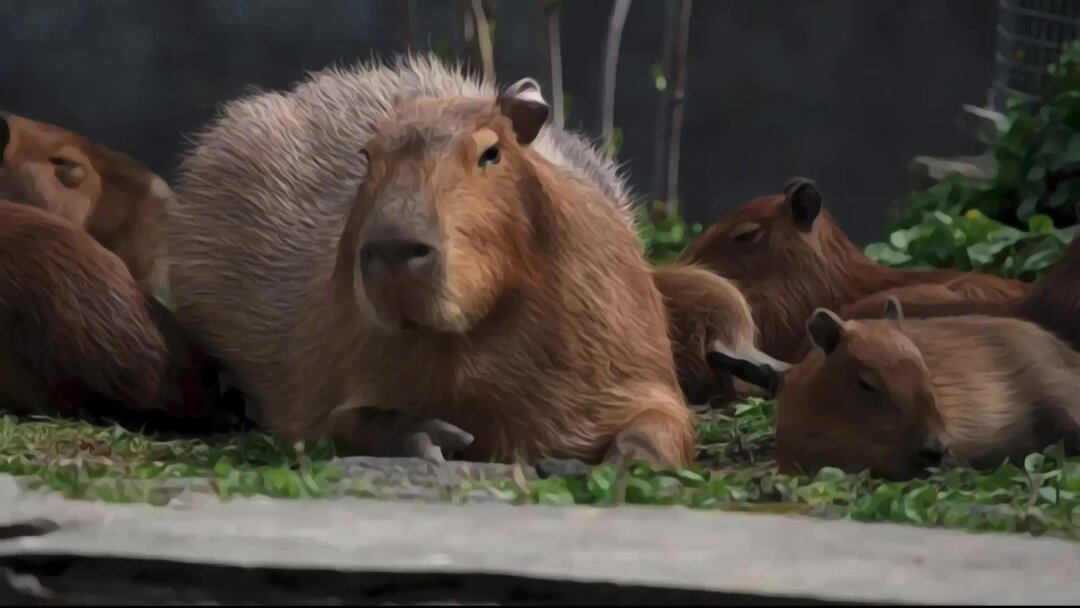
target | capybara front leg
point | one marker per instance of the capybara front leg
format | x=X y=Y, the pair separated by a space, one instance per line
x=656 y=437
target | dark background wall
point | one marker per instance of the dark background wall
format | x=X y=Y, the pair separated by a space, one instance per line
x=844 y=91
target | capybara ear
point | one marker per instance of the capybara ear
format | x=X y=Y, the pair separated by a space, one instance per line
x=525 y=106
x=893 y=310
x=5 y=135
x=802 y=202
x=826 y=330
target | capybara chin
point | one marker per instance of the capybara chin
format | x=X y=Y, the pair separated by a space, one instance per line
x=788 y=256
x=402 y=237
x=114 y=197
x=73 y=323
x=895 y=396
x=709 y=317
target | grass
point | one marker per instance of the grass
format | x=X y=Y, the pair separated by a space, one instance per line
x=735 y=471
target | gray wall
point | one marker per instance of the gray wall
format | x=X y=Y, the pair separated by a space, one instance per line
x=842 y=91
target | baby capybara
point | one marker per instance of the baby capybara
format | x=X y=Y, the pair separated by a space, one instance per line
x=788 y=256
x=896 y=395
x=74 y=325
x=113 y=196
x=401 y=237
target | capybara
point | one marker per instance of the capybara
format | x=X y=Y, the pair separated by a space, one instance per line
x=707 y=314
x=404 y=237
x=113 y=196
x=788 y=256
x=895 y=396
x=73 y=324
x=1053 y=302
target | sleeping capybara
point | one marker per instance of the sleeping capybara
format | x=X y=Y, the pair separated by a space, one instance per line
x=110 y=194
x=708 y=315
x=788 y=256
x=74 y=325
x=1053 y=302
x=404 y=237
x=896 y=395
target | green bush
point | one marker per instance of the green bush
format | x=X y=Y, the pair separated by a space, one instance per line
x=664 y=235
x=1036 y=161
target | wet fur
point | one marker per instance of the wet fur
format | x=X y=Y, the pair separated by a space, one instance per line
x=789 y=273
x=979 y=388
x=573 y=351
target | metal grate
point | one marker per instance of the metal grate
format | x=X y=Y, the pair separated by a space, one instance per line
x=1030 y=34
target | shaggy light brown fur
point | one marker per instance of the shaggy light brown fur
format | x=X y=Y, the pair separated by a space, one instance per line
x=114 y=197
x=543 y=336
x=896 y=395
x=788 y=256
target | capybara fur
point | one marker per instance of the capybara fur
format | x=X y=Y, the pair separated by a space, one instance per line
x=788 y=256
x=75 y=326
x=895 y=396
x=110 y=194
x=707 y=313
x=405 y=237
x=1053 y=302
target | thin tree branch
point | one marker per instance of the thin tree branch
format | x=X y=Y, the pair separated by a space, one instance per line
x=483 y=40
x=611 y=64
x=663 y=115
x=549 y=10
x=678 y=97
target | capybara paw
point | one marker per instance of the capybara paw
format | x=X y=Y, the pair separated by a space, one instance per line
x=558 y=467
x=634 y=446
x=435 y=440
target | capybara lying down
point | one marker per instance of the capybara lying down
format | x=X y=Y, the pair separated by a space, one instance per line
x=405 y=238
x=788 y=256
x=74 y=327
x=1053 y=302
x=898 y=395
x=708 y=316
x=110 y=194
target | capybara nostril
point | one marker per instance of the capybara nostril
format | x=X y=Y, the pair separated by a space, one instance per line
x=396 y=257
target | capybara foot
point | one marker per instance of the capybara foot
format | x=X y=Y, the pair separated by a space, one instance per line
x=435 y=439
x=655 y=438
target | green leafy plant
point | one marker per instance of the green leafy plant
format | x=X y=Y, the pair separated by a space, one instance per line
x=973 y=241
x=1036 y=155
x=664 y=234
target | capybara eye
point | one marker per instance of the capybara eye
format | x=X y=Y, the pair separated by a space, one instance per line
x=747 y=234
x=865 y=385
x=60 y=161
x=490 y=157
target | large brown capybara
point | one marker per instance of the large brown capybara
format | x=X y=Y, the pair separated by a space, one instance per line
x=75 y=328
x=895 y=396
x=788 y=256
x=110 y=194
x=401 y=237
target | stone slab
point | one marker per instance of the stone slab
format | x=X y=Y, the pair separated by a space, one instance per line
x=659 y=547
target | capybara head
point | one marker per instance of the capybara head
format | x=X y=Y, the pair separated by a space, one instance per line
x=445 y=218
x=861 y=400
x=114 y=197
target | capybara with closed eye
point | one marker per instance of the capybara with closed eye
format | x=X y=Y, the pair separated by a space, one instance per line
x=114 y=197
x=788 y=256
x=897 y=395
x=404 y=237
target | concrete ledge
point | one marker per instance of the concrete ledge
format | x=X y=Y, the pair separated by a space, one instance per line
x=698 y=552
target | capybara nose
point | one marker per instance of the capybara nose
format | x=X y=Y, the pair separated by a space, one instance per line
x=397 y=258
